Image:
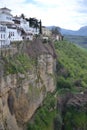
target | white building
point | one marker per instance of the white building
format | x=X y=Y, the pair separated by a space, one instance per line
x=25 y=26
x=3 y=35
x=8 y=30
x=46 y=31
x=5 y=16
x=14 y=28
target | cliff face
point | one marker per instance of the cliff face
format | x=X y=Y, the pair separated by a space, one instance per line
x=21 y=94
x=72 y=109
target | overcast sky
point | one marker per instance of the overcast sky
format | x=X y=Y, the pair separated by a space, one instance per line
x=68 y=14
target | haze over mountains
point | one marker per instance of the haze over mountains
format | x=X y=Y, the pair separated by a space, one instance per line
x=81 y=32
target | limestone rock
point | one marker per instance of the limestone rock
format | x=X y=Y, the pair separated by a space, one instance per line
x=21 y=95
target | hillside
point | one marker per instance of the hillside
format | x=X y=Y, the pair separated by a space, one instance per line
x=71 y=80
x=72 y=63
x=71 y=87
x=79 y=40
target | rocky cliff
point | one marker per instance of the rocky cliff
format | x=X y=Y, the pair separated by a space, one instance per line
x=22 y=93
x=72 y=111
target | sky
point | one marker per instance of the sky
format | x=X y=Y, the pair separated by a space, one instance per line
x=68 y=14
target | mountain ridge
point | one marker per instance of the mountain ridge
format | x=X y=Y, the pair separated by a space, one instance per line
x=80 y=32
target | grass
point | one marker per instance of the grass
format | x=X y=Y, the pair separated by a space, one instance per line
x=20 y=63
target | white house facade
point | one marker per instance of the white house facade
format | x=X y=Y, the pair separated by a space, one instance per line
x=14 y=28
x=3 y=35
x=24 y=24
x=13 y=34
x=5 y=16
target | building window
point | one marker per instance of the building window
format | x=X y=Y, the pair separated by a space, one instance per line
x=13 y=33
x=1 y=36
x=4 y=36
x=8 y=18
x=2 y=29
x=1 y=43
x=9 y=35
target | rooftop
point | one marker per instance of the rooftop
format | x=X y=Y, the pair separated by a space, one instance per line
x=5 y=9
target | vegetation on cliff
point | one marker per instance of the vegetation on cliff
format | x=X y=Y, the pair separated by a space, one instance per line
x=71 y=66
x=75 y=118
x=71 y=84
x=71 y=80
x=71 y=87
x=44 y=116
x=27 y=77
x=20 y=63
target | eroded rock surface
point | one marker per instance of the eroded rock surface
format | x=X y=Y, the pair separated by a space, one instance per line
x=20 y=94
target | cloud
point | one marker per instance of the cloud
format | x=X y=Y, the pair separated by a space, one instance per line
x=70 y=14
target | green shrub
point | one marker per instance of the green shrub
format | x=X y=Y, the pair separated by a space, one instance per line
x=43 y=119
x=19 y=63
x=75 y=119
x=71 y=65
x=63 y=83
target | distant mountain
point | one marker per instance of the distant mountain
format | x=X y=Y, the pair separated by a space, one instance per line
x=81 y=32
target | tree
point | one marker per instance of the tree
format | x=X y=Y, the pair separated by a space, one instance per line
x=23 y=16
x=30 y=22
x=35 y=24
x=56 y=30
x=40 y=27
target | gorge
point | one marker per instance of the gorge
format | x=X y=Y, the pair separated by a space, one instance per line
x=43 y=86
